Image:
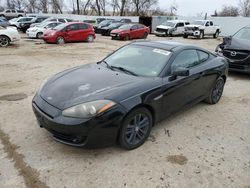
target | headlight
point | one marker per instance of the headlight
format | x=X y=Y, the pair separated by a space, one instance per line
x=89 y=109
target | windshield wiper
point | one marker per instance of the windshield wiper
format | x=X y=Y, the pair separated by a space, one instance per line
x=124 y=70
x=105 y=63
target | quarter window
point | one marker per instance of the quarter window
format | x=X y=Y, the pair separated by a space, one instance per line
x=186 y=59
x=180 y=25
x=83 y=26
x=61 y=20
x=203 y=55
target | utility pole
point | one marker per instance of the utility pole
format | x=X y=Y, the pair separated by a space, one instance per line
x=78 y=9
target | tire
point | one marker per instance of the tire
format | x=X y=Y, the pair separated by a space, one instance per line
x=39 y=35
x=216 y=92
x=145 y=35
x=135 y=128
x=126 y=37
x=185 y=36
x=4 y=41
x=90 y=38
x=216 y=34
x=201 y=36
x=20 y=16
x=60 y=40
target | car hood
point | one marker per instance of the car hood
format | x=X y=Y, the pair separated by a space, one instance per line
x=191 y=25
x=236 y=44
x=119 y=30
x=91 y=82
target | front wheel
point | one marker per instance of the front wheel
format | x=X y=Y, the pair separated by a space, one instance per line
x=201 y=36
x=185 y=36
x=216 y=92
x=60 y=40
x=216 y=34
x=136 y=128
x=39 y=35
x=4 y=41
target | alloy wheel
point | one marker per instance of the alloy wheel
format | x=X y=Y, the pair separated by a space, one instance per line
x=218 y=90
x=4 y=41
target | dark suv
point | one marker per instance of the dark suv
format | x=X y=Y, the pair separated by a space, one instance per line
x=236 y=49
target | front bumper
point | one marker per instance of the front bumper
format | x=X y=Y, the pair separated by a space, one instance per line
x=49 y=39
x=157 y=33
x=95 y=132
x=195 y=33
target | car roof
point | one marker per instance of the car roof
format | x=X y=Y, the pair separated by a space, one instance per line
x=166 y=45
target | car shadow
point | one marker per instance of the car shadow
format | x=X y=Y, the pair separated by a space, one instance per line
x=239 y=76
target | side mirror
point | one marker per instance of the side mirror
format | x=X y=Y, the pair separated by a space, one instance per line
x=180 y=71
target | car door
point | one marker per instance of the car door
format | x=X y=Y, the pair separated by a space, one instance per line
x=179 y=28
x=207 y=28
x=71 y=33
x=184 y=90
x=83 y=31
x=8 y=13
x=133 y=32
x=140 y=31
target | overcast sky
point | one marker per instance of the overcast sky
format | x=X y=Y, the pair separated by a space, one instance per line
x=193 y=7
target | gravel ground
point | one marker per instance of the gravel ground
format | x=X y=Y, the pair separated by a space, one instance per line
x=205 y=146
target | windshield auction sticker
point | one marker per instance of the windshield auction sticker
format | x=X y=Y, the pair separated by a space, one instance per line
x=160 y=51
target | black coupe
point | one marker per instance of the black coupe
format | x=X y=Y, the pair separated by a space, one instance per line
x=119 y=99
x=236 y=49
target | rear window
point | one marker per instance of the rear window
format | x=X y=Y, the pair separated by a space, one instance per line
x=203 y=55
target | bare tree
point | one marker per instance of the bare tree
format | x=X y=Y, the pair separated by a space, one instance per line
x=245 y=7
x=57 y=6
x=229 y=11
x=142 y=6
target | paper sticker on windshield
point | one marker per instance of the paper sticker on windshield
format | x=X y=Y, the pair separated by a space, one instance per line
x=160 y=51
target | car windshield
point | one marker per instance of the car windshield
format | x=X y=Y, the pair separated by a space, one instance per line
x=105 y=22
x=244 y=34
x=46 y=20
x=139 y=60
x=170 y=24
x=126 y=26
x=115 y=25
x=198 y=23
x=60 y=27
x=14 y=19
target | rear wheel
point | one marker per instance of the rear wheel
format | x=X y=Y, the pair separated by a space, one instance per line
x=60 y=40
x=185 y=36
x=216 y=93
x=39 y=35
x=136 y=128
x=4 y=41
x=90 y=38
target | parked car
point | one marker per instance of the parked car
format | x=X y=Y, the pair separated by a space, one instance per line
x=12 y=13
x=50 y=19
x=105 y=31
x=70 y=32
x=125 y=20
x=37 y=31
x=171 y=28
x=26 y=25
x=200 y=28
x=147 y=81
x=236 y=49
x=8 y=35
x=99 y=20
x=4 y=22
x=104 y=23
x=130 y=31
x=16 y=21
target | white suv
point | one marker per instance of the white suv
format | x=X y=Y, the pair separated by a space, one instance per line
x=12 y=13
x=171 y=28
x=8 y=35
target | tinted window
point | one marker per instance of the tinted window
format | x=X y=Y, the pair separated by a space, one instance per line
x=134 y=27
x=69 y=20
x=207 y=24
x=186 y=59
x=53 y=20
x=20 y=11
x=73 y=27
x=187 y=23
x=211 y=23
x=13 y=11
x=180 y=25
x=61 y=20
x=203 y=55
x=140 y=26
x=83 y=26
x=7 y=11
x=40 y=20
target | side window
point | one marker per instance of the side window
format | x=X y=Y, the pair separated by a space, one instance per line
x=140 y=26
x=186 y=59
x=134 y=27
x=187 y=23
x=83 y=26
x=73 y=27
x=180 y=25
x=211 y=24
x=69 y=20
x=61 y=20
x=7 y=11
x=53 y=20
x=204 y=56
x=13 y=11
x=207 y=24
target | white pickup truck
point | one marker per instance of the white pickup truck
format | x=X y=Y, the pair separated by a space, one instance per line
x=171 y=28
x=200 y=28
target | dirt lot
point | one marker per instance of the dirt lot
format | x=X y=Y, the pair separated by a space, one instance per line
x=206 y=146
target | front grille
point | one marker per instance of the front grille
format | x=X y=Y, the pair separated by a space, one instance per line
x=236 y=54
x=70 y=139
x=161 y=30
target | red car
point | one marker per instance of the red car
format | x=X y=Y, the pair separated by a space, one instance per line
x=130 y=31
x=70 y=32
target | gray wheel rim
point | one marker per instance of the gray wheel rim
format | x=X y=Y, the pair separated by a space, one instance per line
x=137 y=129
x=60 y=40
x=217 y=91
x=4 y=41
x=39 y=35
